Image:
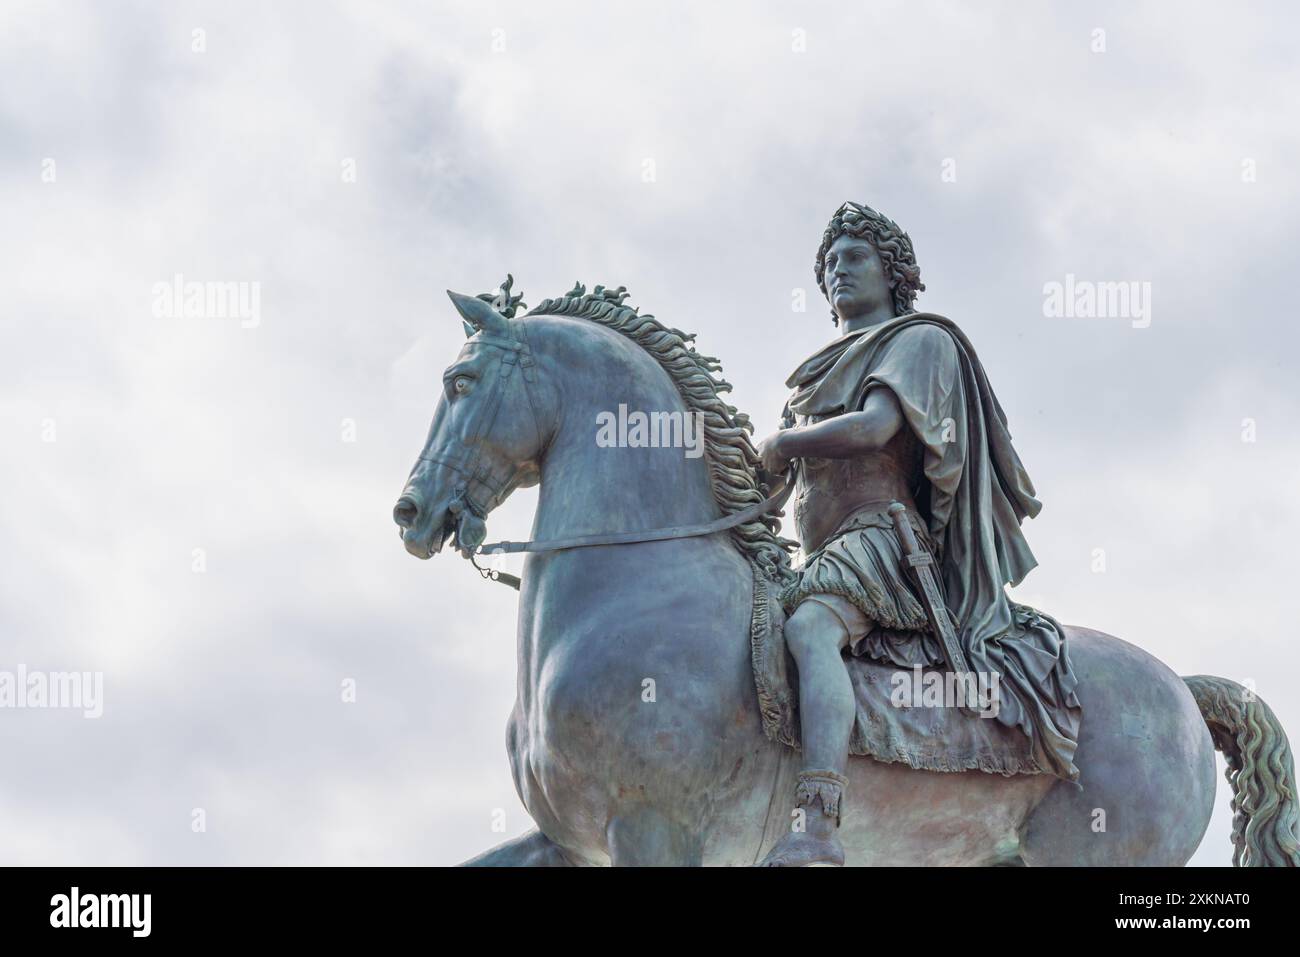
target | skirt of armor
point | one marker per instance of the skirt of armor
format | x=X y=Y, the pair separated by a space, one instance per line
x=863 y=563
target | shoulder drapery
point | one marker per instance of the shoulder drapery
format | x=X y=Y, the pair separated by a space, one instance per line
x=979 y=494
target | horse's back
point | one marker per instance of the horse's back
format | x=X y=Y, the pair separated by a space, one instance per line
x=1147 y=773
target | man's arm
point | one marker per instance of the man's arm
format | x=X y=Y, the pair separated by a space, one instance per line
x=842 y=437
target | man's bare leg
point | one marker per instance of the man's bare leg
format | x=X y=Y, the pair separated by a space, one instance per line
x=815 y=636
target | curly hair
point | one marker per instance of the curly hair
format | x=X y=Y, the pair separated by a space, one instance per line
x=892 y=244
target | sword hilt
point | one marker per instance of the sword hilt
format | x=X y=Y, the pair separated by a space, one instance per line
x=913 y=553
x=911 y=547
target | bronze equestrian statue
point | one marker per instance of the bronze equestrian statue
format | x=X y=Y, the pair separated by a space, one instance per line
x=680 y=681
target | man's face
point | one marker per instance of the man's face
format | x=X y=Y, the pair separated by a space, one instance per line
x=855 y=278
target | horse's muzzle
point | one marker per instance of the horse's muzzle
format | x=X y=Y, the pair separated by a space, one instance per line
x=423 y=531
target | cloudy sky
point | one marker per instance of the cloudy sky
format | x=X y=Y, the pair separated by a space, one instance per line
x=200 y=508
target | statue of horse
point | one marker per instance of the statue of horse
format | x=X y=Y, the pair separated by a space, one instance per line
x=636 y=735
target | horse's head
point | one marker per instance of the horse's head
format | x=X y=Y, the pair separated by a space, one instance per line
x=486 y=438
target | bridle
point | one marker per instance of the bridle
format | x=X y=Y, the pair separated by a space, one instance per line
x=772 y=503
x=471 y=511
x=480 y=488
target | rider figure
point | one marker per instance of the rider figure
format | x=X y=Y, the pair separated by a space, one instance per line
x=856 y=456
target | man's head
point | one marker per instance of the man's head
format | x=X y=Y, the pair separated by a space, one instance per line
x=866 y=263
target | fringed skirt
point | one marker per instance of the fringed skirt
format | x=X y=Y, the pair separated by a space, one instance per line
x=863 y=563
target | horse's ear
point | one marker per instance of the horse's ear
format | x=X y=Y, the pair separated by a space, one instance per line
x=479 y=316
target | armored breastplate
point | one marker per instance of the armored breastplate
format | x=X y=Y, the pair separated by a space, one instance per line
x=828 y=491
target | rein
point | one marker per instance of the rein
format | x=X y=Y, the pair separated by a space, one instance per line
x=772 y=503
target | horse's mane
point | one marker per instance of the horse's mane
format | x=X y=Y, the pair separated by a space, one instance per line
x=732 y=459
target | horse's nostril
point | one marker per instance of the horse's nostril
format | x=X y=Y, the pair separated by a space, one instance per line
x=405 y=512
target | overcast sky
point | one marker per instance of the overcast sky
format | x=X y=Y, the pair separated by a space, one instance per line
x=355 y=159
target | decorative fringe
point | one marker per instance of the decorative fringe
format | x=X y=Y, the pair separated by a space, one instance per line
x=1005 y=762
x=776 y=694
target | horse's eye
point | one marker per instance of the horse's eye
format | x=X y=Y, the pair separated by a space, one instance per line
x=460 y=385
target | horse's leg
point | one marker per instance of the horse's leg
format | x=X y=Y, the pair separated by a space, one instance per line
x=533 y=849
x=645 y=837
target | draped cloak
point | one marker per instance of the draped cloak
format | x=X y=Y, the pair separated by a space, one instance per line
x=979 y=493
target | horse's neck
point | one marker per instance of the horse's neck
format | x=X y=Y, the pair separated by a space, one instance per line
x=587 y=489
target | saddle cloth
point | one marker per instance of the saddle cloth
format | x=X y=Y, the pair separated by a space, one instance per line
x=890 y=726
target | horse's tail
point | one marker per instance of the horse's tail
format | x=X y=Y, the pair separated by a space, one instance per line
x=1260 y=770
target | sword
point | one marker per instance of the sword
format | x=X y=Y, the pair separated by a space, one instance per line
x=921 y=564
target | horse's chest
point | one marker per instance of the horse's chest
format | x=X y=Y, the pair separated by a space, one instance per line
x=587 y=700
x=634 y=688
x=611 y=718
x=577 y=744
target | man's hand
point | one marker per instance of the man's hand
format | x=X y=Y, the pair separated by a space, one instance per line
x=775 y=459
